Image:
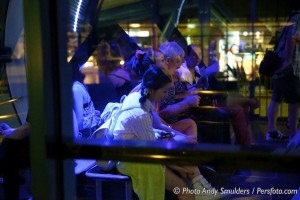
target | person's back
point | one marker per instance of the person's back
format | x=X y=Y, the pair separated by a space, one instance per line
x=86 y=115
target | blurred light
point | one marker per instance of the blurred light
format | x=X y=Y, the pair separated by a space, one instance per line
x=158 y=156
x=191 y=26
x=245 y=33
x=88 y=64
x=257 y=35
x=6 y=116
x=122 y=62
x=139 y=34
x=188 y=40
x=77 y=15
x=135 y=25
x=143 y=34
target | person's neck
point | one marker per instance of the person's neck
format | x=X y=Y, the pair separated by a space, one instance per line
x=192 y=68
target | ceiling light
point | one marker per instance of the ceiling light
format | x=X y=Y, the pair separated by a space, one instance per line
x=134 y=25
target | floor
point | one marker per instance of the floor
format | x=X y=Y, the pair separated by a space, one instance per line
x=261 y=185
x=257 y=183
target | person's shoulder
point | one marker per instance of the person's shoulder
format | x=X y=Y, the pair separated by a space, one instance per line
x=294 y=16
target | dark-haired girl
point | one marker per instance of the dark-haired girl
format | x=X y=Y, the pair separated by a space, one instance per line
x=136 y=122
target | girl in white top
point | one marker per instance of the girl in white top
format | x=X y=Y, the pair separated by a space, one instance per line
x=136 y=122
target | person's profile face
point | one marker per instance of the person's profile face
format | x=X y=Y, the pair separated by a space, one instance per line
x=161 y=93
x=235 y=49
x=194 y=57
x=174 y=63
x=160 y=60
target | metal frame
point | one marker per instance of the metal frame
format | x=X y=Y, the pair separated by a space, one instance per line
x=50 y=101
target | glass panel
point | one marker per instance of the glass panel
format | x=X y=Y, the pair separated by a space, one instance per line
x=235 y=38
x=14 y=102
x=226 y=32
x=104 y=37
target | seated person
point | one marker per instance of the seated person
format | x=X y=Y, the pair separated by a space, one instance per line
x=14 y=155
x=194 y=75
x=173 y=108
x=120 y=79
x=186 y=125
x=136 y=122
x=87 y=117
x=235 y=104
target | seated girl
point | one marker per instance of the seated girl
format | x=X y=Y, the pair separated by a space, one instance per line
x=136 y=122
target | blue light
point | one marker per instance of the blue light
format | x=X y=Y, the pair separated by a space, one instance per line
x=77 y=15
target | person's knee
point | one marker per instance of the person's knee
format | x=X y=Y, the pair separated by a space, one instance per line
x=191 y=123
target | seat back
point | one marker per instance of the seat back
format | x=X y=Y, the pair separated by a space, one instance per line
x=102 y=94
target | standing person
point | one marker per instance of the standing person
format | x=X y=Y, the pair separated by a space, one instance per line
x=136 y=122
x=234 y=64
x=286 y=80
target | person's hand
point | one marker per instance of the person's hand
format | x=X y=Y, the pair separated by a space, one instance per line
x=5 y=129
x=4 y=126
x=192 y=100
x=202 y=82
x=254 y=103
x=139 y=54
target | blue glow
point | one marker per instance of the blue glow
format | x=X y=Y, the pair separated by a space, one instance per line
x=77 y=15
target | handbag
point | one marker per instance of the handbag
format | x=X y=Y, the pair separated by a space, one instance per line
x=109 y=118
x=270 y=63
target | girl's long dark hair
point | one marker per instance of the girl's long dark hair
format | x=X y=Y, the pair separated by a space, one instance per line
x=153 y=78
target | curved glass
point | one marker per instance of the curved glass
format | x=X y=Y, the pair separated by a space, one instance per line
x=14 y=82
x=103 y=37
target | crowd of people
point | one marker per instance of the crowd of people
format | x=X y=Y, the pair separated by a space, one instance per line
x=170 y=78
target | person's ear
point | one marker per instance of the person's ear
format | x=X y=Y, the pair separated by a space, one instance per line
x=168 y=59
x=151 y=92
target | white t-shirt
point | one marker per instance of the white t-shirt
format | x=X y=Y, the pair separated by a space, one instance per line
x=136 y=123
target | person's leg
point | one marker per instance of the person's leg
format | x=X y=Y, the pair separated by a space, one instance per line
x=148 y=180
x=239 y=122
x=293 y=115
x=173 y=180
x=273 y=110
x=186 y=126
x=11 y=182
x=13 y=154
x=293 y=100
x=190 y=175
x=284 y=89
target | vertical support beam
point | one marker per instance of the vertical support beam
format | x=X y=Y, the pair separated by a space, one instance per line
x=252 y=82
x=168 y=29
x=155 y=19
x=204 y=20
x=50 y=97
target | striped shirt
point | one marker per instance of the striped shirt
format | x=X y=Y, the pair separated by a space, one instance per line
x=135 y=123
